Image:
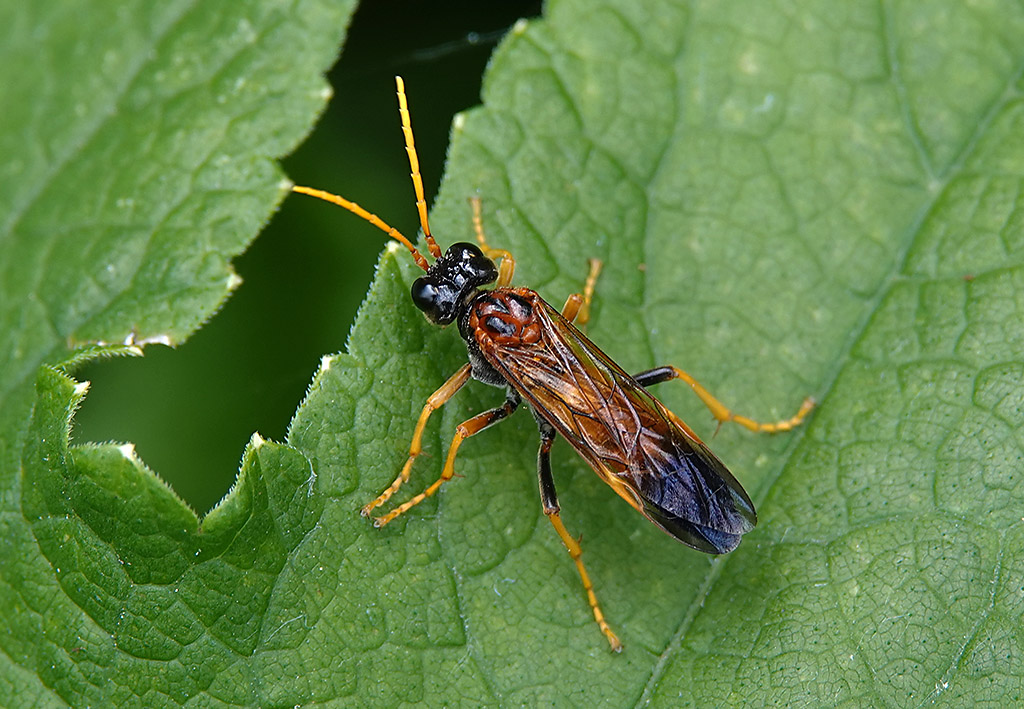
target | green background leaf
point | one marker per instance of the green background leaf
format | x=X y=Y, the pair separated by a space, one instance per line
x=816 y=198
x=140 y=144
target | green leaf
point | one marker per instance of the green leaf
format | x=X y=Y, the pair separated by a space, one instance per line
x=818 y=198
x=140 y=143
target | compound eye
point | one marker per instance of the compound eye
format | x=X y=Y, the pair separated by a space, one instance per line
x=425 y=294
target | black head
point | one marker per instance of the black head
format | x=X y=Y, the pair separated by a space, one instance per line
x=451 y=281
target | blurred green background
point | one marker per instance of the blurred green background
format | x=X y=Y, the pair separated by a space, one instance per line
x=191 y=410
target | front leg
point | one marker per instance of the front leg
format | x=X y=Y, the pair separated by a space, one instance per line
x=577 y=307
x=445 y=392
x=463 y=431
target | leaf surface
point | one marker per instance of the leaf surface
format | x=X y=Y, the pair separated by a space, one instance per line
x=140 y=144
x=790 y=199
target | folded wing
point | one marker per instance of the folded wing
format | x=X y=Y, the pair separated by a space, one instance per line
x=643 y=451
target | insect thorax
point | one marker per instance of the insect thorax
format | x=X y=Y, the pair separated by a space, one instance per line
x=505 y=317
x=498 y=318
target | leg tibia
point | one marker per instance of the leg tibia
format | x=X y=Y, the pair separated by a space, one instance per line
x=722 y=413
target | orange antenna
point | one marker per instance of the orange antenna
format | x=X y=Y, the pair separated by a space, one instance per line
x=414 y=167
x=370 y=217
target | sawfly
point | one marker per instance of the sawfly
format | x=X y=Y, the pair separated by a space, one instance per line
x=518 y=342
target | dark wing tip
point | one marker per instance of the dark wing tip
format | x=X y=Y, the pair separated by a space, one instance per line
x=702 y=537
x=699 y=503
x=713 y=522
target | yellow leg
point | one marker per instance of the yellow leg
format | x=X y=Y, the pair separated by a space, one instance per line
x=577 y=307
x=508 y=264
x=572 y=307
x=436 y=401
x=549 y=502
x=722 y=413
x=576 y=552
x=588 y=292
x=463 y=431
